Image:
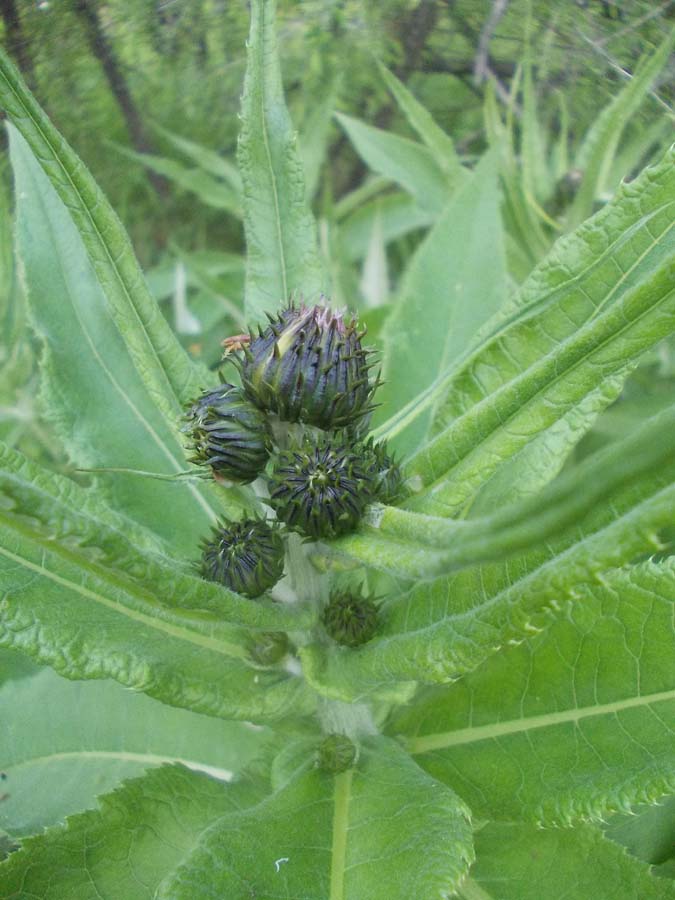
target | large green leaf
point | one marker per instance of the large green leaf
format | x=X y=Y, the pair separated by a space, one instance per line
x=521 y=862
x=596 y=688
x=141 y=833
x=282 y=259
x=445 y=627
x=88 y=621
x=64 y=742
x=603 y=297
x=167 y=372
x=384 y=829
x=78 y=519
x=91 y=390
x=450 y=288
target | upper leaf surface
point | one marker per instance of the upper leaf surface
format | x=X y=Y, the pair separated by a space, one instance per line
x=64 y=742
x=602 y=297
x=596 y=687
x=169 y=375
x=282 y=260
x=98 y=399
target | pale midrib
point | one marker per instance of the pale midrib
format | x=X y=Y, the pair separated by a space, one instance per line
x=152 y=759
x=342 y=795
x=441 y=741
x=229 y=650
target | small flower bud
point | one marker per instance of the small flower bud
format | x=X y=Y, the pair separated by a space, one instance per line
x=384 y=472
x=336 y=754
x=269 y=647
x=350 y=619
x=320 y=488
x=229 y=434
x=308 y=366
x=247 y=556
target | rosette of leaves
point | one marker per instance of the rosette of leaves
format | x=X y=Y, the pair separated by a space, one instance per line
x=229 y=434
x=321 y=486
x=246 y=556
x=308 y=365
x=520 y=692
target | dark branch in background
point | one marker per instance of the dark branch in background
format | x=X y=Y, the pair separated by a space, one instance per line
x=102 y=48
x=15 y=40
x=482 y=69
x=414 y=33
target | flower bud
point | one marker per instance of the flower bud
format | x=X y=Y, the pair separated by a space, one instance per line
x=247 y=556
x=336 y=754
x=229 y=434
x=350 y=619
x=308 y=366
x=320 y=487
x=269 y=647
x=384 y=472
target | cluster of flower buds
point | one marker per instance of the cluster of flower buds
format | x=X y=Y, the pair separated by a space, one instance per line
x=307 y=366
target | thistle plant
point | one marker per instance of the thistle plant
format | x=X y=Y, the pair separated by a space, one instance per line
x=499 y=723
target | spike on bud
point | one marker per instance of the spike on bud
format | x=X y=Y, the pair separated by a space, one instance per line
x=229 y=434
x=246 y=557
x=336 y=754
x=326 y=350
x=321 y=487
x=350 y=618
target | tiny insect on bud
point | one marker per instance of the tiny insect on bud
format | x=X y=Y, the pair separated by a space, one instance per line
x=229 y=434
x=246 y=557
x=350 y=619
x=308 y=365
x=320 y=488
x=336 y=754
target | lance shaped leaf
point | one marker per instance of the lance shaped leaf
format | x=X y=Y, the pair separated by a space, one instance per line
x=282 y=259
x=582 y=723
x=64 y=742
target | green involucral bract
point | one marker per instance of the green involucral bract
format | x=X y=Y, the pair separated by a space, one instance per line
x=246 y=556
x=350 y=619
x=308 y=366
x=336 y=754
x=321 y=487
x=229 y=434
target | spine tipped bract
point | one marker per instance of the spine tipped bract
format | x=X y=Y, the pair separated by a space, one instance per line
x=229 y=434
x=350 y=618
x=246 y=557
x=321 y=487
x=308 y=365
x=384 y=472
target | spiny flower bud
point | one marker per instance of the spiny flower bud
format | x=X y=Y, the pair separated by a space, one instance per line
x=384 y=471
x=247 y=556
x=269 y=647
x=336 y=754
x=350 y=619
x=229 y=434
x=320 y=488
x=308 y=366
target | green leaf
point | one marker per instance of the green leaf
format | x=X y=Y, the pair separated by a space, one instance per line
x=398 y=213
x=647 y=832
x=443 y=628
x=596 y=688
x=599 y=147
x=205 y=158
x=521 y=862
x=78 y=519
x=602 y=298
x=170 y=377
x=210 y=190
x=438 y=142
x=64 y=742
x=96 y=397
x=409 y=164
x=87 y=621
x=282 y=259
x=450 y=288
x=382 y=830
x=141 y=833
